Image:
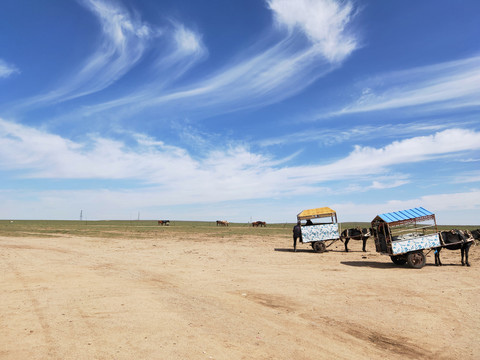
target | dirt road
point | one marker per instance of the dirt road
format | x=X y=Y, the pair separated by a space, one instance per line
x=243 y=297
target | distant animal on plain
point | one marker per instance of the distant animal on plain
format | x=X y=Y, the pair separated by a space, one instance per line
x=222 y=222
x=163 y=222
x=259 y=223
x=455 y=240
x=355 y=234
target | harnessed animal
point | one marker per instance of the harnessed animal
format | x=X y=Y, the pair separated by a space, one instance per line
x=455 y=240
x=355 y=234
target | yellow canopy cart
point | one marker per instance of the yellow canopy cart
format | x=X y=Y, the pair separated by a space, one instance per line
x=319 y=227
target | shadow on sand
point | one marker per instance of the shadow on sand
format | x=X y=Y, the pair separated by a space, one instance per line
x=311 y=250
x=376 y=264
x=298 y=250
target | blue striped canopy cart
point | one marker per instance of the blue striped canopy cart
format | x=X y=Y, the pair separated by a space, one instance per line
x=319 y=228
x=405 y=234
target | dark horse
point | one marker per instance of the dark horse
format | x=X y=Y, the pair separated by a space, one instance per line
x=259 y=223
x=163 y=222
x=476 y=234
x=355 y=234
x=455 y=240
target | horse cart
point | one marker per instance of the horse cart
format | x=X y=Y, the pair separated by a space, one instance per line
x=321 y=234
x=404 y=235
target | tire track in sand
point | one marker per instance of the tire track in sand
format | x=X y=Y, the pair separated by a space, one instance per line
x=37 y=310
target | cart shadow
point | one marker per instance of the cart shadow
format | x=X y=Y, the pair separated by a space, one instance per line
x=298 y=250
x=311 y=250
x=375 y=264
x=347 y=252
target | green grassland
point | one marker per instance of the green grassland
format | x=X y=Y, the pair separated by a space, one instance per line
x=133 y=229
x=145 y=229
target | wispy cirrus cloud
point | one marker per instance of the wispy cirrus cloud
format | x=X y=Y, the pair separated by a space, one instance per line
x=184 y=49
x=7 y=69
x=327 y=137
x=468 y=177
x=124 y=40
x=449 y=85
x=309 y=42
x=314 y=41
x=284 y=68
x=383 y=182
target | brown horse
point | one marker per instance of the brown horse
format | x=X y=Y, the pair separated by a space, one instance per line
x=259 y=223
x=163 y=222
x=222 y=222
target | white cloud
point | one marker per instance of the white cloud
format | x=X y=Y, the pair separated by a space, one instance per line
x=468 y=177
x=185 y=50
x=124 y=40
x=416 y=149
x=187 y=40
x=327 y=136
x=284 y=68
x=370 y=160
x=460 y=208
x=449 y=85
x=450 y=208
x=7 y=69
x=255 y=78
x=387 y=183
x=169 y=176
x=267 y=77
x=324 y=22
x=232 y=173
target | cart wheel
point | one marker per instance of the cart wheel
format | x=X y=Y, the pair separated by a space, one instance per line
x=319 y=246
x=416 y=259
x=398 y=259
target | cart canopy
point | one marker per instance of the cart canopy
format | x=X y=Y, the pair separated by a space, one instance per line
x=405 y=216
x=316 y=213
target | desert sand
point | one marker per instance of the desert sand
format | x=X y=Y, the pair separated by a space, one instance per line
x=236 y=297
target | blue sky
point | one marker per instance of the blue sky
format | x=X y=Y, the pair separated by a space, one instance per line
x=239 y=110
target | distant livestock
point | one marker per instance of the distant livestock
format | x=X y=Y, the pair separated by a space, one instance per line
x=259 y=223
x=222 y=222
x=163 y=222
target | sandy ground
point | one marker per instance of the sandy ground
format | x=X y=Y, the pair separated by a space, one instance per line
x=238 y=298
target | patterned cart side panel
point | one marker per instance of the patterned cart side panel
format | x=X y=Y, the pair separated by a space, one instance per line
x=424 y=242
x=320 y=232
